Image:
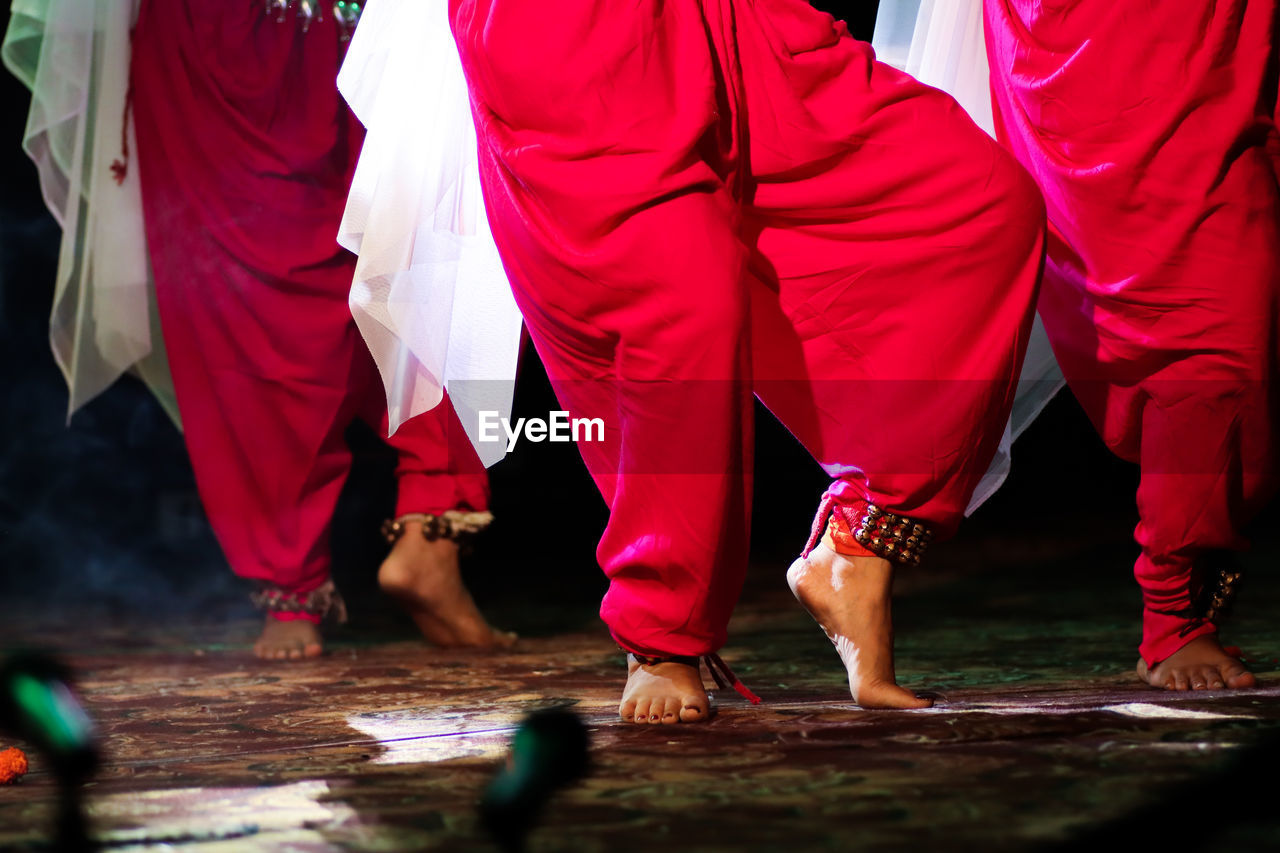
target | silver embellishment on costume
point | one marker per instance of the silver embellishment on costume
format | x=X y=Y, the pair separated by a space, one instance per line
x=278 y=9
x=308 y=10
x=346 y=13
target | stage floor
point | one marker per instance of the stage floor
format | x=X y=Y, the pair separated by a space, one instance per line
x=1040 y=734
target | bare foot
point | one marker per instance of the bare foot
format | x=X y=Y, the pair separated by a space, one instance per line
x=1201 y=664
x=663 y=694
x=850 y=599
x=424 y=577
x=292 y=640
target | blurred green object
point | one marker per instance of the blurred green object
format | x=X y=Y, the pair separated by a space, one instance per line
x=548 y=752
x=50 y=708
x=38 y=705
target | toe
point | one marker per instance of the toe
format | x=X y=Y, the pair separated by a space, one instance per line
x=641 y=716
x=1161 y=676
x=627 y=710
x=1180 y=680
x=671 y=711
x=1242 y=681
x=693 y=709
x=886 y=695
x=1236 y=675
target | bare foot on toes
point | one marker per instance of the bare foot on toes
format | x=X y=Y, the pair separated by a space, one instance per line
x=850 y=599
x=1201 y=664
x=292 y=640
x=663 y=694
x=425 y=578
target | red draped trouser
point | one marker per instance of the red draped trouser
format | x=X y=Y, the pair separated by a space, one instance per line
x=704 y=199
x=246 y=151
x=1150 y=128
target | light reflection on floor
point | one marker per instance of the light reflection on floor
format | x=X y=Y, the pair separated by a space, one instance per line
x=276 y=817
x=1167 y=708
x=1150 y=711
x=417 y=738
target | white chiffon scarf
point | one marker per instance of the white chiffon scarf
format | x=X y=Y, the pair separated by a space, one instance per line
x=74 y=56
x=942 y=43
x=430 y=295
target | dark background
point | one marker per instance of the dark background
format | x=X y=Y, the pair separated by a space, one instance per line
x=104 y=510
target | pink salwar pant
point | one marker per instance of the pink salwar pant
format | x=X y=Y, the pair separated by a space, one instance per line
x=1150 y=128
x=701 y=200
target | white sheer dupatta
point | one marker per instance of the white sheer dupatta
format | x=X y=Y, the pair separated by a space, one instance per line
x=942 y=43
x=74 y=56
x=430 y=295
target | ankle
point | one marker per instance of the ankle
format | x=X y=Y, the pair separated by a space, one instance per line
x=856 y=527
x=454 y=525
x=312 y=606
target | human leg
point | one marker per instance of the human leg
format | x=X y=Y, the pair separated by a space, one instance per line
x=618 y=231
x=242 y=187
x=898 y=254
x=1160 y=292
x=442 y=500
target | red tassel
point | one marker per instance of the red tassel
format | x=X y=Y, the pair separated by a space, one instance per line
x=724 y=677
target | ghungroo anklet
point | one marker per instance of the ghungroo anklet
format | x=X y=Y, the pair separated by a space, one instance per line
x=895 y=537
x=877 y=532
x=1215 y=585
x=1218 y=596
x=324 y=600
x=453 y=524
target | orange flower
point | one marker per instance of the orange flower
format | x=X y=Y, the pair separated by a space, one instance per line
x=13 y=765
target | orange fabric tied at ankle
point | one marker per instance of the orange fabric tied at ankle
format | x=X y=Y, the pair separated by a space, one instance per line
x=839 y=538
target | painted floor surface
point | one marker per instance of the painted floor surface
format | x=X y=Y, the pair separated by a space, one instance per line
x=1040 y=735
